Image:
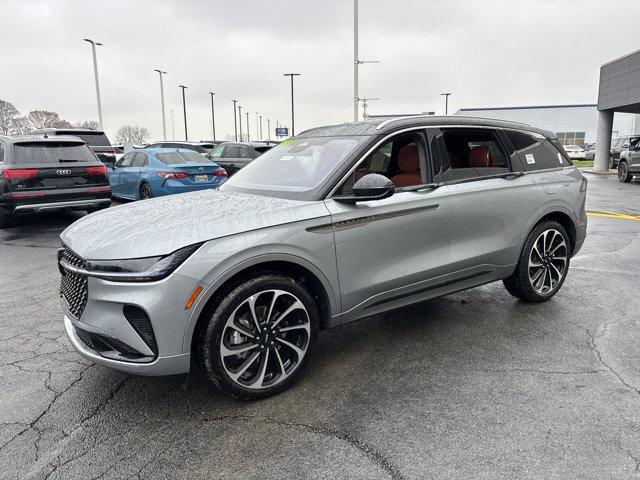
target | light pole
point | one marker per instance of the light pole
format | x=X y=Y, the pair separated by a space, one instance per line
x=260 y=127
x=257 y=126
x=356 y=61
x=235 y=123
x=364 y=105
x=268 y=129
x=173 y=128
x=293 y=125
x=213 y=117
x=446 y=102
x=248 y=134
x=240 y=122
x=164 y=124
x=184 y=109
x=95 y=72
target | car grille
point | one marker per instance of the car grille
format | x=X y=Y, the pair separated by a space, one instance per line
x=73 y=286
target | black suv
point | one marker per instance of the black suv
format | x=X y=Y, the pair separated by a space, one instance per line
x=96 y=140
x=40 y=173
x=232 y=156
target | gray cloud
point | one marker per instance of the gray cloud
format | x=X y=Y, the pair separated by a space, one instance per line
x=488 y=53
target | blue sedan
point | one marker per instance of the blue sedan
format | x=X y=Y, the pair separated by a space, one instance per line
x=153 y=172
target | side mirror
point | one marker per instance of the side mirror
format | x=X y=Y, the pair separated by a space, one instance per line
x=370 y=187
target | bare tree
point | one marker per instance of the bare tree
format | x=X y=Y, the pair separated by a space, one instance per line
x=132 y=134
x=90 y=124
x=46 y=119
x=8 y=118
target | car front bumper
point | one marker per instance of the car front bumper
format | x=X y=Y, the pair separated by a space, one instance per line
x=104 y=317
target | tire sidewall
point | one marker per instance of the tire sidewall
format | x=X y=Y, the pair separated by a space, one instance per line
x=523 y=263
x=142 y=185
x=209 y=347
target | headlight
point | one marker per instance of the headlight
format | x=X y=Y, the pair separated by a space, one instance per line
x=146 y=269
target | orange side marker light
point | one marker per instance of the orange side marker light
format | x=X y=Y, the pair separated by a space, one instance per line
x=193 y=298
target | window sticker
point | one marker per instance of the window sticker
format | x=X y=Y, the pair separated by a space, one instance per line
x=530 y=158
x=560 y=159
x=286 y=142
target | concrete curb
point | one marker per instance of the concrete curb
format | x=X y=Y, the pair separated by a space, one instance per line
x=608 y=172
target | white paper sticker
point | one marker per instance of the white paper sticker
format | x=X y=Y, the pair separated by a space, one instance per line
x=560 y=159
x=530 y=158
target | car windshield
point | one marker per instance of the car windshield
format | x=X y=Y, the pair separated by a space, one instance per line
x=51 y=152
x=294 y=168
x=177 y=158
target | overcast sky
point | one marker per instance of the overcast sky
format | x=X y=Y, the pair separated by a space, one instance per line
x=487 y=52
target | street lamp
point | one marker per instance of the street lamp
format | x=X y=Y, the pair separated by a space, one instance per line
x=173 y=128
x=268 y=129
x=164 y=124
x=184 y=109
x=235 y=123
x=248 y=134
x=240 y=122
x=257 y=127
x=364 y=105
x=356 y=61
x=293 y=125
x=446 y=102
x=260 y=127
x=213 y=116
x=95 y=72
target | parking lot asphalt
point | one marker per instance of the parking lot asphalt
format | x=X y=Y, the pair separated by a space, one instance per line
x=472 y=385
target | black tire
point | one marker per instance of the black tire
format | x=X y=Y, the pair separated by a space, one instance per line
x=6 y=220
x=145 y=191
x=209 y=340
x=624 y=175
x=612 y=163
x=520 y=284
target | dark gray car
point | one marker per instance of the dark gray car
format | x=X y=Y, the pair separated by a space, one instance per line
x=232 y=156
x=336 y=224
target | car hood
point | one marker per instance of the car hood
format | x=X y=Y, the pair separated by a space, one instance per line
x=162 y=225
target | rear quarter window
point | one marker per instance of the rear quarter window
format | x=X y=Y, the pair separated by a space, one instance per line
x=52 y=152
x=537 y=153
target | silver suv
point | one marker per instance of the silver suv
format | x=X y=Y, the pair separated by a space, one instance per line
x=336 y=224
x=629 y=164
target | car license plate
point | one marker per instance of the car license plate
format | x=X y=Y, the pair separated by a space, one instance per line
x=202 y=178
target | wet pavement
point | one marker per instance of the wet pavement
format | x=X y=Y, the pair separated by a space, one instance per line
x=472 y=385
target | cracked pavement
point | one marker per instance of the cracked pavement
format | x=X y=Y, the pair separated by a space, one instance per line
x=472 y=385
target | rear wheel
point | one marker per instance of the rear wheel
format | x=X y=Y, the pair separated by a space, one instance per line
x=259 y=337
x=145 y=191
x=5 y=220
x=543 y=264
x=612 y=163
x=624 y=175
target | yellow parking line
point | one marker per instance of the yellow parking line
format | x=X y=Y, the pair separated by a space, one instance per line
x=619 y=216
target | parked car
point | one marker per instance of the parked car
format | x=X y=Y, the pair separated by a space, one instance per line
x=590 y=154
x=155 y=172
x=619 y=145
x=629 y=162
x=201 y=148
x=334 y=225
x=236 y=155
x=210 y=144
x=96 y=139
x=40 y=174
x=574 y=152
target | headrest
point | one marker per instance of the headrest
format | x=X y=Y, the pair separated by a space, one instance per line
x=480 y=157
x=408 y=159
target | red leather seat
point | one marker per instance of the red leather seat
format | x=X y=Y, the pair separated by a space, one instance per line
x=409 y=165
x=480 y=157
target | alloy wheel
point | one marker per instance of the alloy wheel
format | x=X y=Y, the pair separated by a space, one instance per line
x=265 y=339
x=547 y=261
x=622 y=171
x=145 y=192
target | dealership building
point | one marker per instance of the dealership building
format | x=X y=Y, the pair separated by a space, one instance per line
x=574 y=124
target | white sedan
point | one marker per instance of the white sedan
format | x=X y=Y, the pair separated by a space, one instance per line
x=575 y=152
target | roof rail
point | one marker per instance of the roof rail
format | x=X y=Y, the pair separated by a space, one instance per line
x=387 y=122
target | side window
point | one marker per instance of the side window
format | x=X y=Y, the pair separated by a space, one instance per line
x=400 y=160
x=216 y=152
x=127 y=160
x=1 y=152
x=231 y=152
x=141 y=160
x=473 y=153
x=243 y=152
x=536 y=153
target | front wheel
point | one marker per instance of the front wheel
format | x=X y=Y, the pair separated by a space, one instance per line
x=612 y=163
x=258 y=337
x=624 y=175
x=543 y=264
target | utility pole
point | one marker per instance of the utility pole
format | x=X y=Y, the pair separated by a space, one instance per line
x=364 y=106
x=95 y=73
x=356 y=61
x=248 y=134
x=213 y=117
x=173 y=128
x=268 y=129
x=260 y=127
x=184 y=109
x=240 y=122
x=446 y=102
x=293 y=124
x=164 y=124
x=235 y=123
